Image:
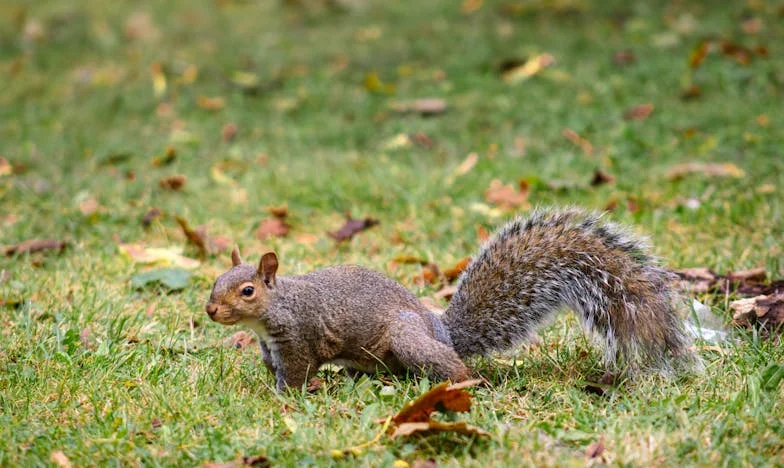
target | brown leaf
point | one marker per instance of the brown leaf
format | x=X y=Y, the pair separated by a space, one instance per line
x=699 y=53
x=737 y=53
x=441 y=397
x=763 y=312
x=241 y=339
x=58 y=458
x=596 y=449
x=175 y=182
x=422 y=140
x=638 y=112
x=196 y=237
x=257 y=460
x=575 y=138
x=624 y=57
x=707 y=169
x=426 y=107
x=430 y=275
x=272 y=227
x=410 y=259
x=690 y=93
x=35 y=245
x=211 y=103
x=89 y=206
x=481 y=233
x=229 y=131
x=698 y=280
x=314 y=385
x=600 y=178
x=351 y=228
x=281 y=212
x=150 y=216
x=431 y=426
x=429 y=463
x=452 y=273
x=156 y=423
x=505 y=196
x=446 y=292
x=168 y=157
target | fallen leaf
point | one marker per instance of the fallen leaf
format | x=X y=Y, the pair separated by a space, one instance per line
x=481 y=233
x=139 y=26
x=736 y=52
x=763 y=312
x=452 y=273
x=35 y=245
x=256 y=460
x=431 y=426
x=158 y=79
x=430 y=274
x=314 y=385
x=470 y=6
x=89 y=206
x=173 y=279
x=156 y=423
x=698 y=54
x=624 y=57
x=422 y=140
x=240 y=339
x=351 y=228
x=506 y=196
x=444 y=396
x=527 y=69
x=374 y=84
x=468 y=163
x=596 y=449
x=600 y=178
x=690 y=93
x=229 y=131
x=151 y=215
x=175 y=182
x=5 y=167
x=168 y=157
x=426 y=107
x=698 y=280
x=446 y=292
x=708 y=169
x=197 y=237
x=160 y=256
x=751 y=25
x=638 y=112
x=410 y=259
x=211 y=103
x=584 y=144
x=272 y=227
x=58 y=458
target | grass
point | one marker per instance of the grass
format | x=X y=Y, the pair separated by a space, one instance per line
x=80 y=120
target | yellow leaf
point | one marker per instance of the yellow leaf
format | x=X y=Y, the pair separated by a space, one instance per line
x=530 y=68
x=159 y=256
x=158 y=79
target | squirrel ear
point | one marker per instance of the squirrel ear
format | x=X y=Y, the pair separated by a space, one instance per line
x=235 y=256
x=268 y=266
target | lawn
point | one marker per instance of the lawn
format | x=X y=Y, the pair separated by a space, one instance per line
x=308 y=105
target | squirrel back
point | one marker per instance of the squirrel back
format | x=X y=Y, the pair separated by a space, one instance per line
x=570 y=259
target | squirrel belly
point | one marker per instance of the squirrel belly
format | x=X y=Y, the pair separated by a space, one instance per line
x=570 y=259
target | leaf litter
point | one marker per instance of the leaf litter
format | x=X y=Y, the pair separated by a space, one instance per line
x=352 y=227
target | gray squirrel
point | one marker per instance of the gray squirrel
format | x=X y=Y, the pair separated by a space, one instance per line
x=533 y=267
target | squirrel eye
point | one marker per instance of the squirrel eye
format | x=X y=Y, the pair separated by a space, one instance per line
x=247 y=291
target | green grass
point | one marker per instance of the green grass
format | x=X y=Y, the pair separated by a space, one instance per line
x=78 y=115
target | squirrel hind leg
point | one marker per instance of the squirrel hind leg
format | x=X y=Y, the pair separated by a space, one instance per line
x=419 y=352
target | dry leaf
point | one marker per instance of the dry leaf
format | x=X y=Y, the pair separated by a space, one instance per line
x=256 y=460
x=430 y=275
x=58 y=458
x=505 y=196
x=624 y=57
x=211 y=103
x=470 y=6
x=454 y=272
x=699 y=53
x=351 y=228
x=34 y=245
x=5 y=167
x=763 y=312
x=523 y=71
x=150 y=216
x=443 y=396
x=446 y=292
x=157 y=256
x=374 y=84
x=175 y=182
x=314 y=385
x=89 y=206
x=429 y=427
x=596 y=449
x=169 y=156
x=600 y=178
x=426 y=107
x=422 y=140
x=584 y=144
x=429 y=463
x=240 y=339
x=197 y=237
x=708 y=169
x=468 y=164
x=409 y=259
x=698 y=280
x=638 y=112
x=692 y=92
x=272 y=227
x=229 y=131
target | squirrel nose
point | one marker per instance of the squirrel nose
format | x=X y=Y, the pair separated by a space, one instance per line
x=212 y=309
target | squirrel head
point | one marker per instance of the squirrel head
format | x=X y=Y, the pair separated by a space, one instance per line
x=244 y=291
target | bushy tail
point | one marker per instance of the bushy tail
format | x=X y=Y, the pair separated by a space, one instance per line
x=570 y=259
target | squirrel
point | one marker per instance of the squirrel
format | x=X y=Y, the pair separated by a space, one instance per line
x=532 y=268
